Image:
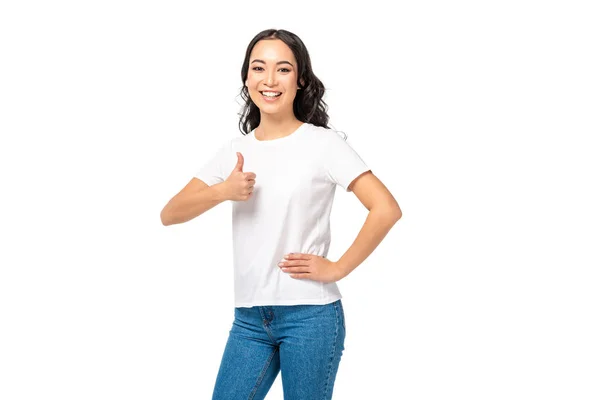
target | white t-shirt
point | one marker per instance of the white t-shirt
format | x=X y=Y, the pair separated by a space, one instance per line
x=288 y=212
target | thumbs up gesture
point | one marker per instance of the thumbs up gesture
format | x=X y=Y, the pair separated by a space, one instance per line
x=239 y=185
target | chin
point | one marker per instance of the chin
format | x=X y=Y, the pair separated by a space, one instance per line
x=269 y=111
x=271 y=108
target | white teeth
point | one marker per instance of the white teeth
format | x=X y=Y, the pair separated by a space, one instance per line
x=271 y=94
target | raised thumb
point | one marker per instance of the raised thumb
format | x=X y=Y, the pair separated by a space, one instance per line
x=240 y=162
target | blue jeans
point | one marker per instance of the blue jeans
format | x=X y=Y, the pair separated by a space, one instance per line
x=304 y=341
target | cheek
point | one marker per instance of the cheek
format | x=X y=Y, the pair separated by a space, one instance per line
x=290 y=88
x=251 y=87
x=251 y=81
x=251 y=76
x=291 y=95
x=290 y=83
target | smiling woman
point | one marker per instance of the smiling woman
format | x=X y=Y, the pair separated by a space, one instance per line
x=281 y=177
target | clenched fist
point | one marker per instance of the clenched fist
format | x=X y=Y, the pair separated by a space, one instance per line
x=239 y=185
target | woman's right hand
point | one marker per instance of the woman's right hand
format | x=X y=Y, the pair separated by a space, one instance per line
x=239 y=185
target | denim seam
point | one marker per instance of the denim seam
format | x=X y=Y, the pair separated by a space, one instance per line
x=342 y=315
x=262 y=375
x=337 y=316
x=266 y=327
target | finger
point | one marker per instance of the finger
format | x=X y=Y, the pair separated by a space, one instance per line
x=294 y=270
x=300 y=276
x=297 y=256
x=294 y=263
x=240 y=162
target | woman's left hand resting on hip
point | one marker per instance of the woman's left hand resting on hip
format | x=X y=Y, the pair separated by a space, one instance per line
x=310 y=266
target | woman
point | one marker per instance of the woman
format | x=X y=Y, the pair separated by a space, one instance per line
x=281 y=176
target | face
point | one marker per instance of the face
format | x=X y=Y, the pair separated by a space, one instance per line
x=273 y=70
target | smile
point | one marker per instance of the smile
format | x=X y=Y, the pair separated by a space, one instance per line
x=270 y=96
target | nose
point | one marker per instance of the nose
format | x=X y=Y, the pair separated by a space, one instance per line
x=270 y=80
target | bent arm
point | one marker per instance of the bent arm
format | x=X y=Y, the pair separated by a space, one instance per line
x=384 y=212
x=377 y=225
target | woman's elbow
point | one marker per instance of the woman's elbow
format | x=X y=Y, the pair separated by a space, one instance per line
x=396 y=212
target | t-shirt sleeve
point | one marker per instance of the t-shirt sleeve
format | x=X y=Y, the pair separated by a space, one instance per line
x=215 y=170
x=342 y=162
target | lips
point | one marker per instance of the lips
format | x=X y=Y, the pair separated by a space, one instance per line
x=276 y=94
x=270 y=99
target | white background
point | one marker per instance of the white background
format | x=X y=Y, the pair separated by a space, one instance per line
x=480 y=118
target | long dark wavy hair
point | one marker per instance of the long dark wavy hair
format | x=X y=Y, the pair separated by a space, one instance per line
x=308 y=104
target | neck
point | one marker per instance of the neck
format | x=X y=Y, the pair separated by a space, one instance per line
x=274 y=127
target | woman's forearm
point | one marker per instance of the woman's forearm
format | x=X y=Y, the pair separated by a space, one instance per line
x=378 y=223
x=183 y=208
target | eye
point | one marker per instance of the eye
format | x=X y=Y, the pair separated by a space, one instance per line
x=281 y=69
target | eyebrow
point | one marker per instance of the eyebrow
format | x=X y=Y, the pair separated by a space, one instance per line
x=279 y=62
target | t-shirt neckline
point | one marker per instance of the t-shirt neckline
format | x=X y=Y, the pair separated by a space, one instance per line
x=278 y=140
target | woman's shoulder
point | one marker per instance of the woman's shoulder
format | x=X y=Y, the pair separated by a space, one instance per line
x=321 y=134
